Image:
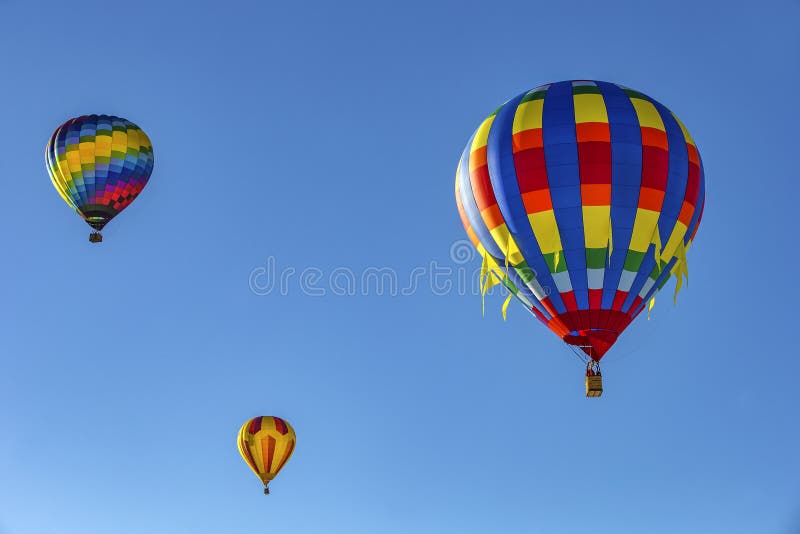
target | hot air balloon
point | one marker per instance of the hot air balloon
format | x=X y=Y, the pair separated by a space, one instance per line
x=266 y=444
x=582 y=198
x=99 y=164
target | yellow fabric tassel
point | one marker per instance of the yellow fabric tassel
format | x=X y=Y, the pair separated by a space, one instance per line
x=680 y=270
x=678 y=285
x=556 y=250
x=656 y=240
x=505 y=305
x=484 y=269
x=682 y=258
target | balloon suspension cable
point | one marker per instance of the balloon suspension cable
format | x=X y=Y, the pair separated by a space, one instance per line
x=579 y=353
x=95 y=237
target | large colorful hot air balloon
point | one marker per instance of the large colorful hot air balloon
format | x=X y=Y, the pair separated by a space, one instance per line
x=582 y=197
x=266 y=444
x=99 y=164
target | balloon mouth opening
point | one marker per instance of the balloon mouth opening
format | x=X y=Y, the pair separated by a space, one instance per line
x=97 y=215
x=595 y=342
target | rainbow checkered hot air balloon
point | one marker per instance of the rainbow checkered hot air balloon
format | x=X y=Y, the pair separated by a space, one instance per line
x=582 y=197
x=99 y=164
x=266 y=444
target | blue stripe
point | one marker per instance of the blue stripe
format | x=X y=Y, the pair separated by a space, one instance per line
x=72 y=136
x=677 y=176
x=701 y=199
x=563 y=175
x=653 y=290
x=481 y=231
x=503 y=175
x=626 y=179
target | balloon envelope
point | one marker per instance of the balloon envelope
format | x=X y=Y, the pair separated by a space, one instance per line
x=266 y=444
x=582 y=197
x=99 y=164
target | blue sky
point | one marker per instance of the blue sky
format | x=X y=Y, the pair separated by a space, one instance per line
x=326 y=135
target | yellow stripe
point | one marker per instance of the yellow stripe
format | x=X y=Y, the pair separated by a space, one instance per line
x=596 y=223
x=144 y=140
x=528 y=116
x=590 y=108
x=648 y=114
x=482 y=134
x=546 y=231
x=133 y=139
x=507 y=244
x=643 y=227
x=86 y=150
x=119 y=141
x=102 y=146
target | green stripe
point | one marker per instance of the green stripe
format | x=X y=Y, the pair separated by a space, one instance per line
x=525 y=272
x=535 y=95
x=596 y=258
x=633 y=261
x=585 y=90
x=635 y=94
x=549 y=259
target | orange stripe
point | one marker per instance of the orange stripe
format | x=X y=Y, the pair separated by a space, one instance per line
x=654 y=137
x=477 y=158
x=492 y=216
x=651 y=199
x=527 y=139
x=596 y=194
x=537 y=201
x=473 y=237
x=267 y=453
x=685 y=216
x=593 y=131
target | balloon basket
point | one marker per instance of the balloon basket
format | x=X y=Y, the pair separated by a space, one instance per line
x=95 y=237
x=266 y=490
x=594 y=386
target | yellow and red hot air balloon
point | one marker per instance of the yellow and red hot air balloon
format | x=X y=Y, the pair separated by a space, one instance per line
x=266 y=443
x=582 y=197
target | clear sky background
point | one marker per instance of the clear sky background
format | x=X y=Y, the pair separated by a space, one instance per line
x=325 y=135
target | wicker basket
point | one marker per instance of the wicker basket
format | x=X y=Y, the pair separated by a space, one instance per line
x=594 y=386
x=95 y=237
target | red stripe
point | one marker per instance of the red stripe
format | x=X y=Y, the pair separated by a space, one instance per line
x=289 y=449
x=482 y=187
x=655 y=166
x=595 y=299
x=255 y=425
x=531 y=170
x=693 y=184
x=569 y=301
x=594 y=160
x=280 y=425
x=248 y=456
